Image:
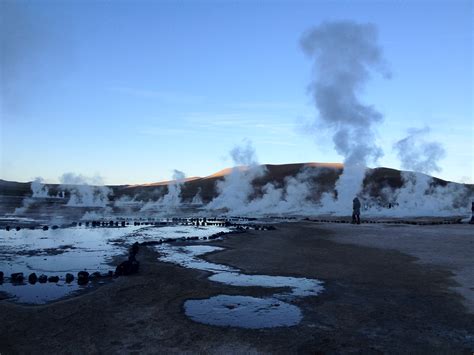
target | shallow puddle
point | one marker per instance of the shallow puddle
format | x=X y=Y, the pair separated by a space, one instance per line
x=39 y=293
x=187 y=256
x=243 y=312
x=55 y=252
x=299 y=286
x=175 y=232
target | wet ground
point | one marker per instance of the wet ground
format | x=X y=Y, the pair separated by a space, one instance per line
x=375 y=299
x=241 y=311
x=56 y=252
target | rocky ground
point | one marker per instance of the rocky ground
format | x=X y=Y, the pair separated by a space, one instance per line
x=383 y=294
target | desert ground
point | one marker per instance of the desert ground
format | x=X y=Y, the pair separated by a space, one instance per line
x=387 y=289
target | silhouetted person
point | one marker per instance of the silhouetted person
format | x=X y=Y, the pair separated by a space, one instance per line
x=356 y=211
x=472 y=211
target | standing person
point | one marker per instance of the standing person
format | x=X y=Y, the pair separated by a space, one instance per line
x=472 y=216
x=355 y=211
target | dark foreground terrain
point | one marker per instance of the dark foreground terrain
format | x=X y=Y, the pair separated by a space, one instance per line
x=376 y=299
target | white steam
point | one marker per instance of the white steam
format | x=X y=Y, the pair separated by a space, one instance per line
x=420 y=195
x=417 y=154
x=172 y=200
x=345 y=53
x=294 y=197
x=197 y=199
x=234 y=192
x=39 y=189
x=85 y=191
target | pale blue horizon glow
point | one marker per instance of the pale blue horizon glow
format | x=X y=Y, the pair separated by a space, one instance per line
x=132 y=90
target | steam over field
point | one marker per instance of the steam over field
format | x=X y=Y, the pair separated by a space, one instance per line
x=247 y=190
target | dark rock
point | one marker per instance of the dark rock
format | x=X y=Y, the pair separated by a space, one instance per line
x=110 y=273
x=69 y=277
x=53 y=279
x=45 y=228
x=1 y=276
x=96 y=275
x=134 y=249
x=135 y=266
x=32 y=278
x=17 y=277
x=18 y=228
x=42 y=279
x=54 y=227
x=7 y=228
x=127 y=268
x=82 y=277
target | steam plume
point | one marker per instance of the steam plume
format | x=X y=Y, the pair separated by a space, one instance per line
x=85 y=191
x=345 y=53
x=38 y=188
x=235 y=190
x=172 y=200
x=416 y=154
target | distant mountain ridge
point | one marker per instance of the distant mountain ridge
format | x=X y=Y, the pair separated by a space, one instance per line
x=323 y=176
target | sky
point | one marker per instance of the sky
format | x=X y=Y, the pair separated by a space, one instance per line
x=130 y=90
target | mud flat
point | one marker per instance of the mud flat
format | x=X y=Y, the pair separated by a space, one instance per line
x=388 y=289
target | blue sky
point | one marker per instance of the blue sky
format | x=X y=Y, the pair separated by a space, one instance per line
x=130 y=90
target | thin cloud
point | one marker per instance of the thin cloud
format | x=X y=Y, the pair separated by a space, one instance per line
x=268 y=105
x=165 y=96
x=165 y=132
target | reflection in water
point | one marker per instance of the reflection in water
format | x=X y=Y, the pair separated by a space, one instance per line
x=55 y=252
x=40 y=293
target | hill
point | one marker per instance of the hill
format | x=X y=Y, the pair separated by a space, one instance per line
x=321 y=176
